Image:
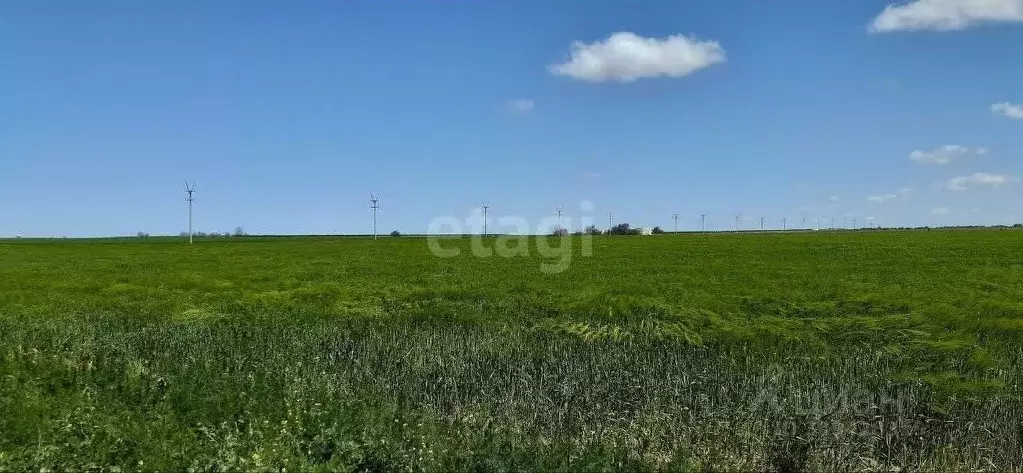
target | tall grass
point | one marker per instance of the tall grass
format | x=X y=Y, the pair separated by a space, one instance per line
x=660 y=353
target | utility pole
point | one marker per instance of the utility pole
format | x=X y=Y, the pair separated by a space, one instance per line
x=559 y=219
x=675 y=216
x=737 y=222
x=703 y=223
x=189 y=188
x=486 y=209
x=610 y=222
x=784 y=224
x=374 y=204
x=761 y=224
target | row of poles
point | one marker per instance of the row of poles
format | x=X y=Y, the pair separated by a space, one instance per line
x=375 y=206
x=374 y=202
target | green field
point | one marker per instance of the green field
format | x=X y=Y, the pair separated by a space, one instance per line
x=804 y=351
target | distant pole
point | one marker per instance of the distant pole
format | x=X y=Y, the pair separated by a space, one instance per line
x=737 y=223
x=804 y=222
x=818 y=223
x=854 y=223
x=761 y=224
x=610 y=222
x=832 y=223
x=189 y=188
x=374 y=204
x=675 y=216
x=559 y=219
x=486 y=209
x=703 y=223
x=784 y=224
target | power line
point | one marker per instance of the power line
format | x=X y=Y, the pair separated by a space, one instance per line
x=189 y=188
x=375 y=206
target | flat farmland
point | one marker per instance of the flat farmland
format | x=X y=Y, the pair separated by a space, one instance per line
x=851 y=351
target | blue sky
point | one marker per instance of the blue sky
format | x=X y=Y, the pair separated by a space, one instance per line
x=288 y=114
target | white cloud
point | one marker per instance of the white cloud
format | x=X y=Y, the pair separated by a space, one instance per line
x=945 y=154
x=939 y=211
x=1008 y=109
x=945 y=15
x=833 y=198
x=979 y=179
x=881 y=198
x=520 y=105
x=625 y=57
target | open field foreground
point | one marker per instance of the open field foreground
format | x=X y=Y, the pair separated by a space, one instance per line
x=843 y=351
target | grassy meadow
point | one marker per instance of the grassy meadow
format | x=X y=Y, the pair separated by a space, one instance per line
x=836 y=351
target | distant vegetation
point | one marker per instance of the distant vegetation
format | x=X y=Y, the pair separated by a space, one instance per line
x=836 y=351
x=237 y=232
x=624 y=229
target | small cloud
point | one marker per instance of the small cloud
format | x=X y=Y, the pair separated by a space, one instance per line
x=520 y=105
x=945 y=154
x=939 y=211
x=978 y=179
x=881 y=198
x=945 y=15
x=625 y=57
x=1008 y=109
x=833 y=198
